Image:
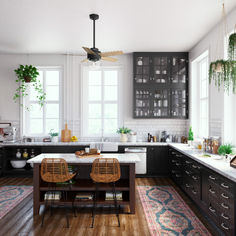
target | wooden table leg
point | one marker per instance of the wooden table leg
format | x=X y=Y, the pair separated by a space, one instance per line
x=36 y=189
x=132 y=187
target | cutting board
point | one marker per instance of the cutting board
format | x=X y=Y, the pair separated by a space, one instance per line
x=66 y=134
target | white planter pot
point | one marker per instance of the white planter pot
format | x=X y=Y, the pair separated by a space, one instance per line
x=123 y=137
x=55 y=139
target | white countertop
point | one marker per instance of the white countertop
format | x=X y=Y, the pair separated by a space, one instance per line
x=71 y=158
x=82 y=143
x=220 y=166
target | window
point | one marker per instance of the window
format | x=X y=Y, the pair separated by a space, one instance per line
x=39 y=121
x=200 y=96
x=100 y=108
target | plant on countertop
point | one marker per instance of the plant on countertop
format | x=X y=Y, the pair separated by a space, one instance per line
x=53 y=134
x=123 y=130
x=27 y=77
x=190 y=134
x=225 y=149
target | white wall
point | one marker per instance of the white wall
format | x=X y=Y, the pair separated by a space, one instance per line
x=10 y=111
x=216 y=98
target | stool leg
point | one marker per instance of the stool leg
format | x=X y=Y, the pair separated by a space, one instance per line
x=64 y=205
x=94 y=204
x=115 y=201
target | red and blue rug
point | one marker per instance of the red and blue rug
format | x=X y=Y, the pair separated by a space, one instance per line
x=11 y=196
x=167 y=213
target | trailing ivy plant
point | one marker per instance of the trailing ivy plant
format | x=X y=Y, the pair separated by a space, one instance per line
x=223 y=73
x=232 y=47
x=27 y=77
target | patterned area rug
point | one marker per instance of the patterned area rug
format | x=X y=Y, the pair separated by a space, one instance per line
x=11 y=196
x=167 y=213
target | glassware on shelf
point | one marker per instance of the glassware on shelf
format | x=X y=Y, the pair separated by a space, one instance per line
x=25 y=153
x=18 y=154
x=32 y=153
x=140 y=61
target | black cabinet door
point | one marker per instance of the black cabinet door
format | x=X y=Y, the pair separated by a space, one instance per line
x=157 y=161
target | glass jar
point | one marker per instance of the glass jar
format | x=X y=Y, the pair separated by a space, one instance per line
x=25 y=153
x=18 y=154
x=32 y=153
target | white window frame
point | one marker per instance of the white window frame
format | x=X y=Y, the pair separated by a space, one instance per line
x=196 y=99
x=25 y=101
x=84 y=100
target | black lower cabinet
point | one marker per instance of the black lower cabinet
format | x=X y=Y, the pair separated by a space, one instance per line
x=157 y=161
x=8 y=154
x=214 y=194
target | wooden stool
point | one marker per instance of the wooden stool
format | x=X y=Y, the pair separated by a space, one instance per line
x=55 y=170
x=105 y=170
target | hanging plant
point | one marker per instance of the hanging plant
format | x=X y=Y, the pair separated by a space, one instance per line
x=27 y=76
x=232 y=47
x=223 y=73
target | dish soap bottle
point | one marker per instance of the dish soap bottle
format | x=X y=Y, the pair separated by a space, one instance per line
x=18 y=154
x=25 y=153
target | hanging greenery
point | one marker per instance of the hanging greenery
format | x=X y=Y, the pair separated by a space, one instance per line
x=220 y=71
x=232 y=47
x=27 y=76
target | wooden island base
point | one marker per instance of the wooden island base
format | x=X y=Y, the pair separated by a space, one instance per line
x=83 y=182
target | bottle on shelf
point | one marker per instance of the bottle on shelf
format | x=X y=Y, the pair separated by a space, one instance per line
x=18 y=154
x=32 y=153
x=25 y=154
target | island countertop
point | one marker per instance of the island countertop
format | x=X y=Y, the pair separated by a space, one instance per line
x=72 y=158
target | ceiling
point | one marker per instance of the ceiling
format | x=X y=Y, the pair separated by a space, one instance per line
x=63 y=26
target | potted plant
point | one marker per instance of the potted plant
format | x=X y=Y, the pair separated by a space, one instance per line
x=27 y=76
x=190 y=136
x=123 y=133
x=54 y=136
x=232 y=47
x=225 y=150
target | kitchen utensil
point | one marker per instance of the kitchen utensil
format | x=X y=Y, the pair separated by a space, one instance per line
x=66 y=134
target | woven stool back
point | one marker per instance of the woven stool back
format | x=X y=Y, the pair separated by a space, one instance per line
x=55 y=170
x=105 y=170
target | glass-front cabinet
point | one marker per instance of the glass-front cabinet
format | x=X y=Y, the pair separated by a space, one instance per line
x=160 y=85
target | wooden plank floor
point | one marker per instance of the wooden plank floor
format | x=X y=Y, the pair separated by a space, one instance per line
x=20 y=220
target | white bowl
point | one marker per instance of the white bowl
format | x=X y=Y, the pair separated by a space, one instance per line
x=18 y=164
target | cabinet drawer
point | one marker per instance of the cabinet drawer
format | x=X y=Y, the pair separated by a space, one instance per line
x=213 y=178
x=226 y=227
x=213 y=190
x=227 y=186
x=224 y=206
x=225 y=196
x=226 y=217
x=212 y=210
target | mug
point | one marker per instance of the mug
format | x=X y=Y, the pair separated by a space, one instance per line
x=87 y=149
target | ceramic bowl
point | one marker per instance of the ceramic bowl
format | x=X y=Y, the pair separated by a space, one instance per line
x=18 y=164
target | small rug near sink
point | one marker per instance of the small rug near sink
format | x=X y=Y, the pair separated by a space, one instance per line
x=167 y=213
x=11 y=196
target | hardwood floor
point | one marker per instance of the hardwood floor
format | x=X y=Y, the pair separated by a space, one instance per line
x=20 y=220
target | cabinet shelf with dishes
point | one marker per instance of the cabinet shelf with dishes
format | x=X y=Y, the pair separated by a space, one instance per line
x=160 y=85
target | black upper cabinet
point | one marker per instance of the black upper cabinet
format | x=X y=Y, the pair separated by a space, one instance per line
x=160 y=85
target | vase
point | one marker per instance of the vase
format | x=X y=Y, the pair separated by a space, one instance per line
x=27 y=79
x=123 y=138
x=55 y=139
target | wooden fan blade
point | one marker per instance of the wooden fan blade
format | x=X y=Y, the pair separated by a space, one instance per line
x=85 y=60
x=109 y=59
x=89 y=51
x=113 y=53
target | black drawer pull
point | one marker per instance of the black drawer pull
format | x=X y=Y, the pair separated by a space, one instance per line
x=224 y=227
x=224 y=216
x=211 y=191
x=194 y=177
x=224 y=185
x=194 y=192
x=211 y=177
x=224 y=206
x=224 y=196
x=212 y=210
x=188 y=162
x=187 y=172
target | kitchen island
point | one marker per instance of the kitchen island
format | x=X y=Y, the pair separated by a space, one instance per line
x=83 y=182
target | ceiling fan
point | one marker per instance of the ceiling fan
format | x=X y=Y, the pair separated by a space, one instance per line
x=93 y=54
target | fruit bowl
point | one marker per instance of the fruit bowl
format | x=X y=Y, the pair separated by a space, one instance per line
x=18 y=164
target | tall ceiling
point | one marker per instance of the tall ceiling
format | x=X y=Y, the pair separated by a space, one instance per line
x=63 y=26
